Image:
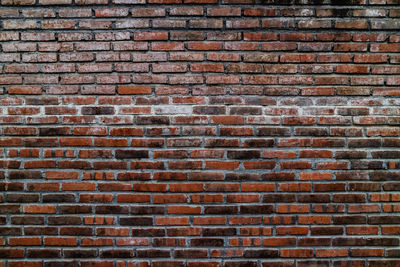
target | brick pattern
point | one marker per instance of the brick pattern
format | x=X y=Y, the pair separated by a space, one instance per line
x=199 y=133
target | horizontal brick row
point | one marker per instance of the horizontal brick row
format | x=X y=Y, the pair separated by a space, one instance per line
x=119 y=37
x=230 y=24
x=230 y=263
x=224 y=2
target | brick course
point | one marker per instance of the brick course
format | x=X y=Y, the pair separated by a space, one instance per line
x=199 y=133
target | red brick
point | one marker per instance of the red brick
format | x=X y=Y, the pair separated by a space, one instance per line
x=60 y=241
x=127 y=89
x=169 y=46
x=150 y=36
x=25 y=90
x=24 y=241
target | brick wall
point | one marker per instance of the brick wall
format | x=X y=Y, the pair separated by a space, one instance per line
x=199 y=133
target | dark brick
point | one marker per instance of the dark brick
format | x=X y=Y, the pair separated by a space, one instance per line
x=135 y=221
x=207 y=242
x=64 y=220
x=61 y=264
x=58 y=198
x=27 y=220
x=97 y=110
x=55 y=131
x=261 y=253
x=209 y=110
x=137 y=210
x=150 y=232
x=116 y=253
x=81 y=253
x=190 y=253
x=243 y=154
x=153 y=253
x=256 y=209
x=220 y=210
x=240 y=264
x=131 y=154
x=24 y=175
x=44 y=253
x=76 y=231
x=111 y=209
x=219 y=231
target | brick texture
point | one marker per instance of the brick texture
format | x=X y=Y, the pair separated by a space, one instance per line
x=199 y=133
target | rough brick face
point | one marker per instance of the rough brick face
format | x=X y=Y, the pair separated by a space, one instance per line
x=199 y=133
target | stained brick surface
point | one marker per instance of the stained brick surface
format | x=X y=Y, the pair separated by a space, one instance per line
x=199 y=133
